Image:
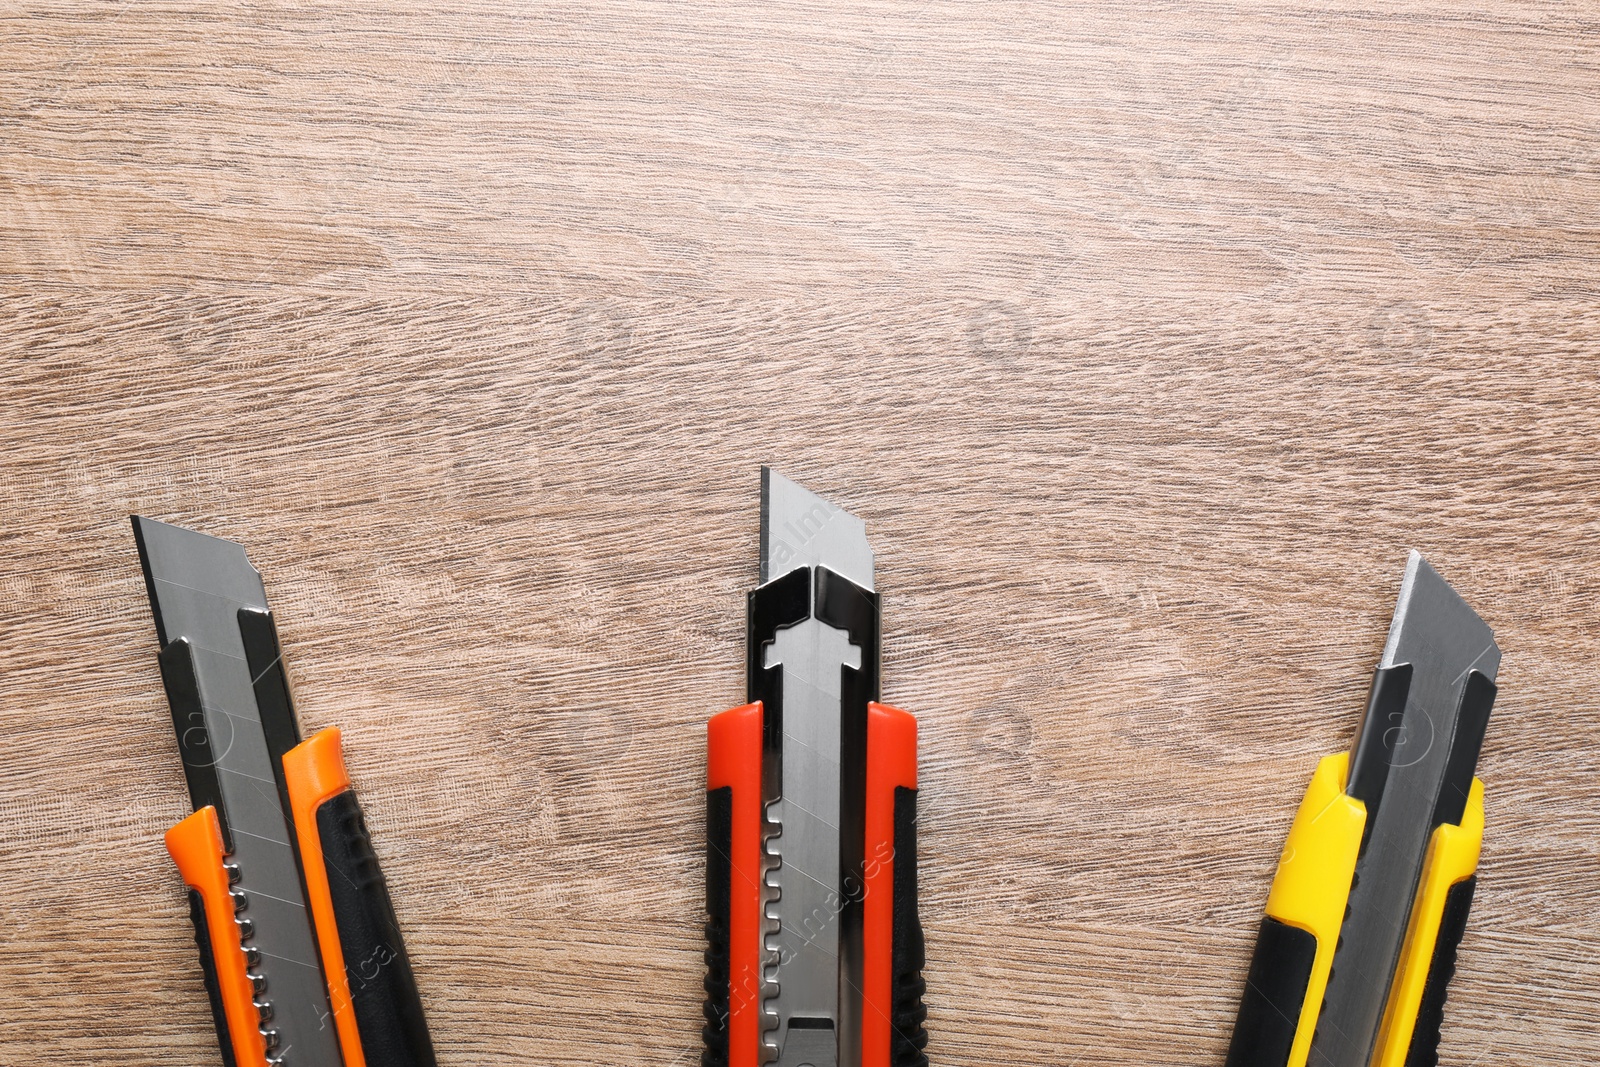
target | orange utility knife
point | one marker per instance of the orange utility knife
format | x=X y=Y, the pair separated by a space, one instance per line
x=299 y=947
x=815 y=951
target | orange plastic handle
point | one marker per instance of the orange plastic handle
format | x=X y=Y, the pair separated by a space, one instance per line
x=195 y=845
x=314 y=772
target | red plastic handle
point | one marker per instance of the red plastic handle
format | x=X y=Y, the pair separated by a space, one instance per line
x=734 y=755
x=891 y=764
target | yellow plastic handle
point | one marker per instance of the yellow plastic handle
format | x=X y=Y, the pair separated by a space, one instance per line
x=1312 y=885
x=1312 y=888
x=1452 y=858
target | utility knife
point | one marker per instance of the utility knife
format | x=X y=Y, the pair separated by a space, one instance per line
x=814 y=949
x=299 y=947
x=1370 y=900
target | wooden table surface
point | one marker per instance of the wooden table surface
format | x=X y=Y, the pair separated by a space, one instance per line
x=1146 y=338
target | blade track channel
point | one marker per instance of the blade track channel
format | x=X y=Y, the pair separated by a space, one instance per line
x=198 y=586
x=801 y=670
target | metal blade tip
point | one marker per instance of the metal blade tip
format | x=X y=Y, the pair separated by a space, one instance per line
x=179 y=562
x=1432 y=620
x=801 y=529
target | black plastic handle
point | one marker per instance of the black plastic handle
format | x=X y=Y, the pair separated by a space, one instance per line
x=719 y=867
x=1424 y=1050
x=383 y=990
x=908 y=1036
x=208 y=968
x=1274 y=993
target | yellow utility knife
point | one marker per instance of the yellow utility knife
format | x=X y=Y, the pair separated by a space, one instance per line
x=1359 y=940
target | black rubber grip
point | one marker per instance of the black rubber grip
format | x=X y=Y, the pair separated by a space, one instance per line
x=1424 y=1050
x=208 y=969
x=719 y=878
x=908 y=1036
x=1274 y=992
x=383 y=990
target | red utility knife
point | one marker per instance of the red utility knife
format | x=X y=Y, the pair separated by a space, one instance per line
x=815 y=950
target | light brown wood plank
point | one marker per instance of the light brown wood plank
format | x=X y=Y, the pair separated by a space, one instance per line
x=1145 y=338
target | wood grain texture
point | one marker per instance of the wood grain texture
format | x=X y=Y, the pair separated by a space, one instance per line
x=1145 y=338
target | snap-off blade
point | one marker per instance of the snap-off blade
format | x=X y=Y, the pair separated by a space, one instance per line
x=807 y=1014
